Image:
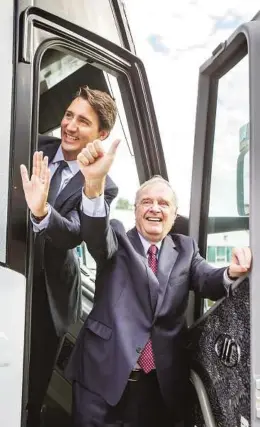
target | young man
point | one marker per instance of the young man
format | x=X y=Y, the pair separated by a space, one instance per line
x=129 y=363
x=54 y=195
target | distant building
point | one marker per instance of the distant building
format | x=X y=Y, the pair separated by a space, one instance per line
x=220 y=245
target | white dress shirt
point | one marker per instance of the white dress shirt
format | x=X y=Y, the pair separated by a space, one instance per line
x=66 y=176
x=146 y=245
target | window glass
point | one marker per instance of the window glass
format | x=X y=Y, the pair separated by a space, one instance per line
x=211 y=253
x=56 y=66
x=245 y=198
x=123 y=171
x=229 y=193
x=94 y=15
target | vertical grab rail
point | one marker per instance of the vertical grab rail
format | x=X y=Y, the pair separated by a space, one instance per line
x=203 y=399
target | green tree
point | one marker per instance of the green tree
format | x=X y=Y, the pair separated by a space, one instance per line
x=123 y=204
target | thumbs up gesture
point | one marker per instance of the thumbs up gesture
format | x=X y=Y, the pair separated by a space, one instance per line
x=95 y=164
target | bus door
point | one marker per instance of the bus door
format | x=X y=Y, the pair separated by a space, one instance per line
x=224 y=336
x=54 y=56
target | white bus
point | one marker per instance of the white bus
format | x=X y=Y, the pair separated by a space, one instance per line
x=50 y=48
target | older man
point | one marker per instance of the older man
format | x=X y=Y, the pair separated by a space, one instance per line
x=129 y=363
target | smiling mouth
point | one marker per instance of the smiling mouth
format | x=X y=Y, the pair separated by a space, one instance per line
x=70 y=138
x=151 y=219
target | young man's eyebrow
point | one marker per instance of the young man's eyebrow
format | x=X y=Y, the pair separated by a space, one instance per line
x=85 y=118
x=80 y=116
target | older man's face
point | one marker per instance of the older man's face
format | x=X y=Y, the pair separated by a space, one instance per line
x=155 y=211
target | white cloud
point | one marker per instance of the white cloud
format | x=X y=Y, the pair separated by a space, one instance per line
x=189 y=30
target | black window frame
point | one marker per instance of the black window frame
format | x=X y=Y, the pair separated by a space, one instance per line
x=245 y=40
x=88 y=287
x=224 y=58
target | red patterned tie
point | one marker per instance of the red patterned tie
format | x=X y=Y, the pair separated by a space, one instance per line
x=146 y=359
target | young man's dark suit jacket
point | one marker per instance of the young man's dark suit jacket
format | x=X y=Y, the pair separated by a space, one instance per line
x=131 y=303
x=54 y=246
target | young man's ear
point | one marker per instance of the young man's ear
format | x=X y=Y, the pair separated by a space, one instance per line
x=103 y=134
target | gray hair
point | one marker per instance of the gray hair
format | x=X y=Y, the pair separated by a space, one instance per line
x=155 y=179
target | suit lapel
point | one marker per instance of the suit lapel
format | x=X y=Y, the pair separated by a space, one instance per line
x=50 y=149
x=167 y=258
x=136 y=242
x=152 y=279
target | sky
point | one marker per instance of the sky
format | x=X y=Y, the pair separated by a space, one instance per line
x=174 y=39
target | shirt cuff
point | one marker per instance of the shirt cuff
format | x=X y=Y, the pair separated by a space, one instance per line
x=93 y=207
x=226 y=280
x=39 y=226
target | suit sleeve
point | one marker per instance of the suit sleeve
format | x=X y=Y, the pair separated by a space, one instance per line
x=99 y=236
x=97 y=232
x=64 y=232
x=111 y=190
x=207 y=280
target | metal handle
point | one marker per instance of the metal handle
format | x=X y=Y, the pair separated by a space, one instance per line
x=203 y=399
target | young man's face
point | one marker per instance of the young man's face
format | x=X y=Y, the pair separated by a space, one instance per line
x=79 y=126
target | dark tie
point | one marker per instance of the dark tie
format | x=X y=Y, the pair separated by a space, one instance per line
x=146 y=359
x=56 y=182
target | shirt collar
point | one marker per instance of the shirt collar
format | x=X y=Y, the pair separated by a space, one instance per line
x=147 y=244
x=73 y=164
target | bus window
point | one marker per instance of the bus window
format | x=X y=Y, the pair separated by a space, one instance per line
x=226 y=227
x=60 y=76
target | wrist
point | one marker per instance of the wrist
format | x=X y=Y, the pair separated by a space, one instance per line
x=93 y=188
x=230 y=275
x=40 y=214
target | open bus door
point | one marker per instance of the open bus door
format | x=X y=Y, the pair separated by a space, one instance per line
x=51 y=53
x=224 y=338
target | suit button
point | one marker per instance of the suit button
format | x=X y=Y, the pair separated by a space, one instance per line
x=139 y=349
